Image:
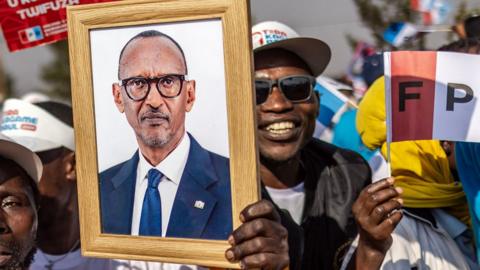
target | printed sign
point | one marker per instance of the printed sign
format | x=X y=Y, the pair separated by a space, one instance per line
x=12 y=120
x=29 y=23
x=432 y=95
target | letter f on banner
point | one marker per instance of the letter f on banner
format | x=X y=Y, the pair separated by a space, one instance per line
x=403 y=95
x=410 y=95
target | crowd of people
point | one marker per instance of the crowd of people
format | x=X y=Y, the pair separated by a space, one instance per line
x=320 y=207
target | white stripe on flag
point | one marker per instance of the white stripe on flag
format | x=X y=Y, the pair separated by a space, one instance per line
x=388 y=94
x=407 y=31
x=463 y=122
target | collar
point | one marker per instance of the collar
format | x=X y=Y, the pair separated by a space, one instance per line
x=438 y=218
x=63 y=261
x=450 y=224
x=172 y=166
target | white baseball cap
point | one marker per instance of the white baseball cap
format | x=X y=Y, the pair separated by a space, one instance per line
x=34 y=127
x=21 y=155
x=314 y=52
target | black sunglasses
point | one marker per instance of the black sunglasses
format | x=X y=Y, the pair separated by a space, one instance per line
x=296 y=88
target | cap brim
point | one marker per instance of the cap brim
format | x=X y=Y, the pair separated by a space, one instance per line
x=25 y=158
x=35 y=144
x=314 y=52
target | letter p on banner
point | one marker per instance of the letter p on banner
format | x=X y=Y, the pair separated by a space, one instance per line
x=432 y=95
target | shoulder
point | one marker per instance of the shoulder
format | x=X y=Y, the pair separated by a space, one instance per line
x=221 y=167
x=345 y=167
x=116 y=173
x=112 y=171
x=218 y=159
x=333 y=154
x=218 y=162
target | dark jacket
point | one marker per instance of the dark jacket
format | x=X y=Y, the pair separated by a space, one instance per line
x=334 y=179
x=211 y=186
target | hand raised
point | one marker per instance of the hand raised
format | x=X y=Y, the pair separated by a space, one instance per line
x=377 y=214
x=261 y=241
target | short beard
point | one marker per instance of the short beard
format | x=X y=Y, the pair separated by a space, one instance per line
x=155 y=142
x=16 y=262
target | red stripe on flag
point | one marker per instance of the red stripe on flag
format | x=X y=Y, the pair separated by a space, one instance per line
x=413 y=95
x=427 y=18
x=414 y=4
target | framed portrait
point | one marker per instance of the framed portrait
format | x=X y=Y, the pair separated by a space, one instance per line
x=165 y=127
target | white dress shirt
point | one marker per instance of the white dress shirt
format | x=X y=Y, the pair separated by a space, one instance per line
x=172 y=169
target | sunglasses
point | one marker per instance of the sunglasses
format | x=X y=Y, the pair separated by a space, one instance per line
x=296 y=88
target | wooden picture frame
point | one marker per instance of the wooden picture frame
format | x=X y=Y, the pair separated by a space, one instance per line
x=235 y=28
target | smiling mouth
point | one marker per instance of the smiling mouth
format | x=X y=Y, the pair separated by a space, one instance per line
x=280 y=128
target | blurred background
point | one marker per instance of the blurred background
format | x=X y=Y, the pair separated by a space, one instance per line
x=352 y=28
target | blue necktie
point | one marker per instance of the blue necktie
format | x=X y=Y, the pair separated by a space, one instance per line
x=151 y=219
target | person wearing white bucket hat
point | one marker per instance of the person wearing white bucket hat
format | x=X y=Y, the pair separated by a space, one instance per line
x=316 y=182
x=20 y=171
x=47 y=129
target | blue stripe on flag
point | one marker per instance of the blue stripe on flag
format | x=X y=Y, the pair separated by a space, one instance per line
x=330 y=104
x=392 y=32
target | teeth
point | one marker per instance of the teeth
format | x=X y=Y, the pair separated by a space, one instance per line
x=280 y=128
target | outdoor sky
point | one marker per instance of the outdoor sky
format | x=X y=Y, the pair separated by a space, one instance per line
x=329 y=20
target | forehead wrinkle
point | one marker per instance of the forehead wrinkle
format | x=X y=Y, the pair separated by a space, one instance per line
x=135 y=51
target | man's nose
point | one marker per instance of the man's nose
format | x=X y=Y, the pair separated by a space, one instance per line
x=276 y=102
x=154 y=99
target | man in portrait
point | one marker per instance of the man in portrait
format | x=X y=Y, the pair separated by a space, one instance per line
x=171 y=186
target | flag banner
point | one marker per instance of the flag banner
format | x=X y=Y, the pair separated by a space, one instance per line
x=29 y=23
x=332 y=101
x=432 y=95
x=398 y=33
x=422 y=5
x=440 y=14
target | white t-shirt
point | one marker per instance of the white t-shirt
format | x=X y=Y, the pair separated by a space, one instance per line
x=75 y=261
x=290 y=199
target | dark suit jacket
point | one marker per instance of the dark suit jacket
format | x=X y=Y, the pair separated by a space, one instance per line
x=206 y=178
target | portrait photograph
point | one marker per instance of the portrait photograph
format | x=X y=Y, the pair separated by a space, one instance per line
x=160 y=104
x=164 y=117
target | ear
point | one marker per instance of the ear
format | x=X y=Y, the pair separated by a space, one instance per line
x=190 y=95
x=69 y=166
x=117 y=97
